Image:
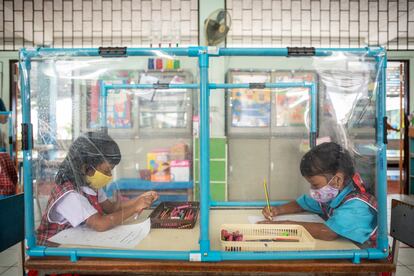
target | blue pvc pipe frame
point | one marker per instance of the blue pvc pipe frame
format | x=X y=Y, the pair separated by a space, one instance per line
x=205 y=254
x=311 y=86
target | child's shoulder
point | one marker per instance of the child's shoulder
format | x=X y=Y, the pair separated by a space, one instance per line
x=63 y=188
x=363 y=197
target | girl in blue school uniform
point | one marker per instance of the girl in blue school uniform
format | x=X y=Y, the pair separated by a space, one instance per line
x=336 y=193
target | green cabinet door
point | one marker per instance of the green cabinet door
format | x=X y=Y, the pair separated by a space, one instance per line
x=218 y=169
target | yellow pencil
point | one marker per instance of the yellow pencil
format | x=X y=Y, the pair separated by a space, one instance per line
x=267 y=195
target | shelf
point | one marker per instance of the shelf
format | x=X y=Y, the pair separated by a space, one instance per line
x=140 y=184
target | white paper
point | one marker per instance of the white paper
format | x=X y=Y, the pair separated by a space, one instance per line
x=122 y=236
x=303 y=217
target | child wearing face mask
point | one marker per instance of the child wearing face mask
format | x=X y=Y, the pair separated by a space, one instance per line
x=336 y=193
x=78 y=197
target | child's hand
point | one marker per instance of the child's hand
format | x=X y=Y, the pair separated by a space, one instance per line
x=269 y=215
x=143 y=202
x=152 y=194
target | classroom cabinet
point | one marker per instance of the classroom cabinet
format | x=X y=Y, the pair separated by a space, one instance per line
x=248 y=165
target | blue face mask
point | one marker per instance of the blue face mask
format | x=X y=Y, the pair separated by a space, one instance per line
x=324 y=194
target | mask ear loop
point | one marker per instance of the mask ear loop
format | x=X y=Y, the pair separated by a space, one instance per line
x=329 y=182
x=96 y=170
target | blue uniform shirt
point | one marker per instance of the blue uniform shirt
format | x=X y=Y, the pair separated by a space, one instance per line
x=354 y=219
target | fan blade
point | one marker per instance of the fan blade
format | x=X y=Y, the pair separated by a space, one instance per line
x=213 y=24
x=216 y=29
x=221 y=15
x=214 y=38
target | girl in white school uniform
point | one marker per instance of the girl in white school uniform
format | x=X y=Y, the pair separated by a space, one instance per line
x=78 y=197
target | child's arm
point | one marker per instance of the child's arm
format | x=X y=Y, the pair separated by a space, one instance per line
x=110 y=207
x=316 y=229
x=101 y=223
x=288 y=208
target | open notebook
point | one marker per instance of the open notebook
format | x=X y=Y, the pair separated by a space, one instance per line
x=122 y=236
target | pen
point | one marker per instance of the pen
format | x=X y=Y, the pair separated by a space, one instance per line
x=267 y=197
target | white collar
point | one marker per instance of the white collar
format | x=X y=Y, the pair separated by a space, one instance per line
x=89 y=190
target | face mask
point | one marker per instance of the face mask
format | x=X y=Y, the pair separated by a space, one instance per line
x=324 y=194
x=98 y=180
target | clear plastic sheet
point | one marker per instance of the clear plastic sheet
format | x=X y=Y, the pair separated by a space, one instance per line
x=102 y=145
x=144 y=144
x=267 y=130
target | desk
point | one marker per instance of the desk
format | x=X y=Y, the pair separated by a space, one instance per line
x=131 y=267
x=176 y=240
x=157 y=239
x=187 y=239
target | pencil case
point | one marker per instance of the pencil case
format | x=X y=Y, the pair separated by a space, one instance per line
x=178 y=215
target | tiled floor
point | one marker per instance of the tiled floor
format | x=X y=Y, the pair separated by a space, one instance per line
x=9 y=262
x=9 y=265
x=405 y=262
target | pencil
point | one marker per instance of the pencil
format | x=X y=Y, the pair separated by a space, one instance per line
x=267 y=195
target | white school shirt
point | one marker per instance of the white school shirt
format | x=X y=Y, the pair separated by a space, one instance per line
x=73 y=207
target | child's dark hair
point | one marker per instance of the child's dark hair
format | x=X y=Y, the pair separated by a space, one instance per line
x=327 y=159
x=90 y=149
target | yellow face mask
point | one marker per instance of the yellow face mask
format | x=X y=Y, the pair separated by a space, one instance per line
x=98 y=180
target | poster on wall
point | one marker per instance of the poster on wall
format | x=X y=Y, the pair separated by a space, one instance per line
x=250 y=107
x=291 y=107
x=119 y=101
x=292 y=104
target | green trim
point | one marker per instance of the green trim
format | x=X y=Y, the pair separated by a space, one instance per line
x=218 y=168
x=217 y=148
